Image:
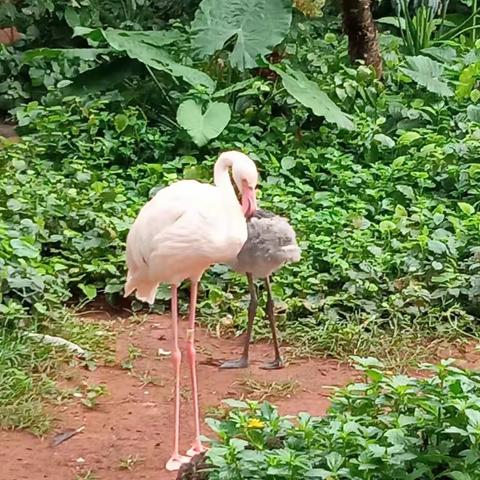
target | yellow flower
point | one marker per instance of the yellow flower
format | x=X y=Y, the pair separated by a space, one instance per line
x=310 y=8
x=255 y=423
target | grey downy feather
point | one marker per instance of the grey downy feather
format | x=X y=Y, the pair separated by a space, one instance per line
x=271 y=243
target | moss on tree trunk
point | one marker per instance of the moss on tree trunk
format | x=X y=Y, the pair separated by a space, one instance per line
x=362 y=33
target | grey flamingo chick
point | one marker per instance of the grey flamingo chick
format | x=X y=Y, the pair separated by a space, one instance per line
x=271 y=243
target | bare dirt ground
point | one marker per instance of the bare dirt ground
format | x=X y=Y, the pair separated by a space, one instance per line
x=134 y=421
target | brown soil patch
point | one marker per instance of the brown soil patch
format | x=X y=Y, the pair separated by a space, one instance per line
x=135 y=420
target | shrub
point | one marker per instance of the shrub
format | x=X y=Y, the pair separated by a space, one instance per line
x=390 y=426
x=388 y=229
x=66 y=201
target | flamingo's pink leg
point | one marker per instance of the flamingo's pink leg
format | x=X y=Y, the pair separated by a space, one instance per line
x=197 y=446
x=176 y=459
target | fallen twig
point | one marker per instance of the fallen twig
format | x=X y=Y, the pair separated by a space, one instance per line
x=64 y=436
x=57 y=342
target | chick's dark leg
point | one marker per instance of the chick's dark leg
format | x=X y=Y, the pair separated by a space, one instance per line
x=277 y=362
x=242 y=362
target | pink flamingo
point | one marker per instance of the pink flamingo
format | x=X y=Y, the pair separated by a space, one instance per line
x=178 y=234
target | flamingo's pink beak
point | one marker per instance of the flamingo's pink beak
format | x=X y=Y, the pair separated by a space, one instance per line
x=249 y=202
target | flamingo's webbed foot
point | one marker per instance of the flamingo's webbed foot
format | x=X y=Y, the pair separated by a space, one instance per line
x=196 y=448
x=175 y=462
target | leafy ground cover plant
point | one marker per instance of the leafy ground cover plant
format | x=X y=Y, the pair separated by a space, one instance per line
x=398 y=252
x=29 y=370
x=389 y=426
x=379 y=179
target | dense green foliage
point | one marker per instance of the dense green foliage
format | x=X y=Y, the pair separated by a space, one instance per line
x=385 y=211
x=391 y=426
x=379 y=177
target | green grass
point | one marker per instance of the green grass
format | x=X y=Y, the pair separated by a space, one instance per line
x=262 y=390
x=402 y=346
x=401 y=349
x=129 y=462
x=29 y=371
x=27 y=374
x=88 y=475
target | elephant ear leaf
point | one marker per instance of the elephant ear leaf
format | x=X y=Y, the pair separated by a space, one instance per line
x=256 y=26
x=309 y=94
x=203 y=127
x=147 y=47
x=427 y=73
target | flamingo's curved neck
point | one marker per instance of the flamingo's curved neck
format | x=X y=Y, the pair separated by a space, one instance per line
x=221 y=176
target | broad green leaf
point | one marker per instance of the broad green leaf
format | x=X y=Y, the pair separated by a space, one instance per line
x=113 y=288
x=238 y=443
x=408 y=137
x=89 y=290
x=437 y=246
x=59 y=53
x=367 y=362
x=473 y=417
x=375 y=375
x=473 y=113
x=407 y=190
x=398 y=22
x=288 y=163
x=319 y=473
x=400 y=211
x=14 y=205
x=374 y=250
x=121 y=122
x=396 y=436
x=233 y=88
x=438 y=218
x=203 y=127
x=459 y=431
x=255 y=25
x=334 y=460
x=19 y=165
x=214 y=424
x=157 y=38
x=24 y=249
x=466 y=208
x=404 y=420
x=467 y=79
x=104 y=77
x=456 y=475
x=384 y=140
x=427 y=73
x=125 y=40
x=94 y=35
x=377 y=451
x=308 y=93
x=387 y=226
x=41 y=308
x=146 y=46
x=72 y=17
x=443 y=54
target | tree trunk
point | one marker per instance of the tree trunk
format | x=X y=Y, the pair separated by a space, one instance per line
x=362 y=33
x=9 y=35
